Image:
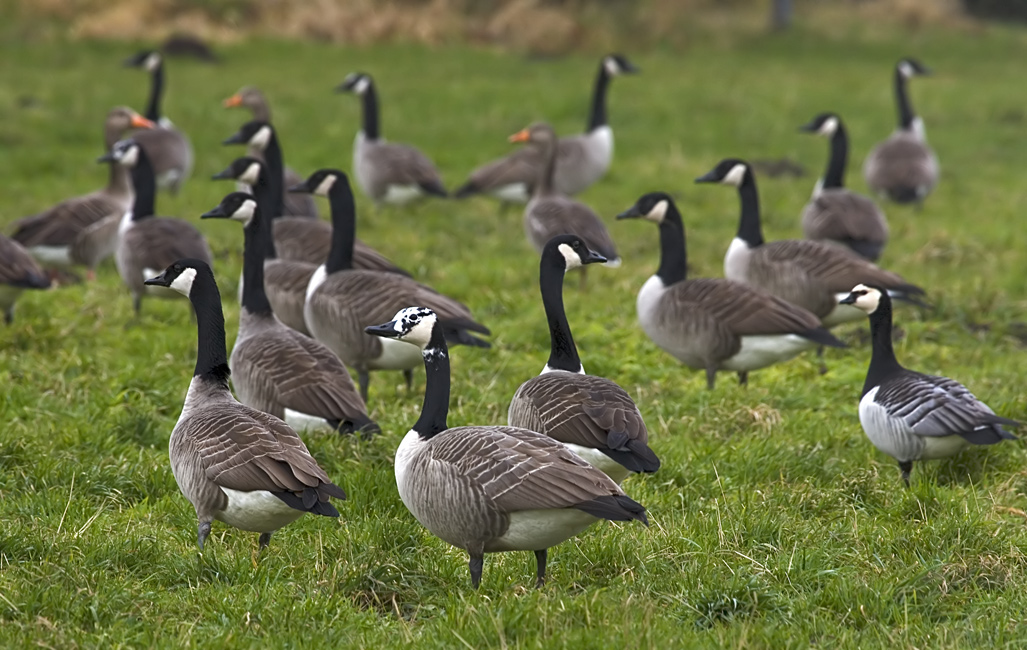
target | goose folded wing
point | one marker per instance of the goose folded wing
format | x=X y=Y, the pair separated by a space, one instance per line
x=558 y=215
x=404 y=165
x=834 y=269
x=302 y=238
x=905 y=162
x=17 y=267
x=61 y=224
x=314 y=381
x=847 y=215
x=521 y=166
x=450 y=310
x=743 y=310
x=935 y=406
x=160 y=241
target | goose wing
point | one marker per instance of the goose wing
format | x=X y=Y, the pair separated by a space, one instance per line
x=61 y=224
x=550 y=216
x=521 y=166
x=902 y=160
x=18 y=268
x=743 y=310
x=301 y=238
x=158 y=242
x=841 y=215
x=401 y=164
x=168 y=150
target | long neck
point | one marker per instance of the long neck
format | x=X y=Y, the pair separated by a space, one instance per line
x=145 y=185
x=274 y=163
x=544 y=182
x=370 y=101
x=436 y=389
x=344 y=227
x=563 y=354
x=211 y=358
x=906 y=114
x=597 y=113
x=257 y=237
x=749 y=229
x=882 y=354
x=673 y=254
x=834 y=177
x=119 y=180
x=265 y=206
x=156 y=91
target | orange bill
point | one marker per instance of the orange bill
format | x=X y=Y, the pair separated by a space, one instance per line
x=140 y=122
x=521 y=136
x=233 y=101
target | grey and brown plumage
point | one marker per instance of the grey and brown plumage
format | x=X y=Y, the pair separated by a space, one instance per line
x=18 y=271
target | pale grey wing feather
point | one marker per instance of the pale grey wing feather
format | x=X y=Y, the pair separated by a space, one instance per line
x=550 y=216
x=742 y=310
x=934 y=406
x=522 y=166
x=168 y=149
x=323 y=383
x=59 y=225
x=97 y=241
x=17 y=267
x=285 y=283
x=840 y=214
x=401 y=164
x=159 y=242
x=302 y=239
x=901 y=161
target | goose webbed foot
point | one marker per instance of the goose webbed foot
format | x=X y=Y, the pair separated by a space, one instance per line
x=540 y=575
x=263 y=541
x=202 y=531
x=476 y=564
x=906 y=466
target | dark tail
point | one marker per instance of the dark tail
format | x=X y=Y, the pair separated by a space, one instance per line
x=634 y=455
x=466 y=190
x=823 y=337
x=364 y=426
x=460 y=336
x=910 y=293
x=870 y=250
x=615 y=507
x=435 y=188
x=314 y=500
x=32 y=281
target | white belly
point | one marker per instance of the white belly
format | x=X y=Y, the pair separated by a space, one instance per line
x=600 y=461
x=514 y=193
x=303 y=422
x=762 y=351
x=258 y=511
x=533 y=530
x=52 y=255
x=942 y=446
x=399 y=194
x=397 y=355
x=842 y=313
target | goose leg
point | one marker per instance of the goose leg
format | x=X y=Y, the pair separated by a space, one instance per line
x=540 y=560
x=408 y=377
x=363 y=378
x=202 y=531
x=906 y=466
x=820 y=358
x=711 y=377
x=263 y=541
x=137 y=304
x=9 y=315
x=743 y=377
x=476 y=564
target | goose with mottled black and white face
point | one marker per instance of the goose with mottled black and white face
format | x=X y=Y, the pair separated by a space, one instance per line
x=124 y=152
x=320 y=183
x=412 y=324
x=730 y=171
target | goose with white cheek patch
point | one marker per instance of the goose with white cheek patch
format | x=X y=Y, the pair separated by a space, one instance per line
x=903 y=168
x=487 y=489
x=18 y=271
x=168 y=148
x=593 y=416
x=386 y=171
x=147 y=243
x=581 y=159
x=235 y=464
x=835 y=213
x=909 y=415
x=276 y=369
x=342 y=300
x=715 y=324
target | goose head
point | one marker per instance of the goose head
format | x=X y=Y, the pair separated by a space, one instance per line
x=248 y=97
x=537 y=133
x=245 y=169
x=910 y=67
x=867 y=298
x=617 y=64
x=124 y=152
x=255 y=133
x=571 y=252
x=238 y=206
x=356 y=83
x=413 y=325
x=149 y=60
x=121 y=119
x=652 y=206
x=320 y=182
x=825 y=124
x=730 y=171
x=181 y=275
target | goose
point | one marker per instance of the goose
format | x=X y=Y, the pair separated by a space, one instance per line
x=83 y=230
x=487 y=489
x=168 y=148
x=252 y=98
x=903 y=168
x=235 y=464
x=909 y=415
x=810 y=274
x=549 y=214
x=715 y=324
x=341 y=301
x=592 y=415
x=274 y=368
x=387 y=172
x=835 y=213
x=147 y=243
x=581 y=159
x=18 y=271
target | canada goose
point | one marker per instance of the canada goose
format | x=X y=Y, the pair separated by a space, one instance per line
x=811 y=274
x=835 y=213
x=169 y=150
x=342 y=301
x=251 y=98
x=487 y=489
x=235 y=464
x=549 y=214
x=147 y=243
x=903 y=167
x=18 y=271
x=387 y=172
x=276 y=369
x=715 y=324
x=84 y=230
x=909 y=415
x=592 y=415
x=580 y=160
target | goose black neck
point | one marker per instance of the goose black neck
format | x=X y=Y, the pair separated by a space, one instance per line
x=597 y=114
x=211 y=358
x=563 y=354
x=370 y=101
x=882 y=354
x=274 y=162
x=435 y=409
x=673 y=253
x=257 y=238
x=265 y=206
x=834 y=177
x=906 y=114
x=156 y=92
x=344 y=227
x=144 y=184
x=749 y=229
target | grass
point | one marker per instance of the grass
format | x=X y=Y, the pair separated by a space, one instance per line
x=774 y=521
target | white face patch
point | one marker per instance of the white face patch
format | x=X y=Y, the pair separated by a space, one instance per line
x=658 y=212
x=829 y=127
x=129 y=156
x=906 y=69
x=244 y=212
x=362 y=85
x=152 y=62
x=251 y=175
x=261 y=138
x=612 y=68
x=325 y=185
x=869 y=301
x=570 y=255
x=183 y=284
x=735 y=176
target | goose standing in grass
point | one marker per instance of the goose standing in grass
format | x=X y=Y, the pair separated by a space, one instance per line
x=387 y=172
x=593 y=416
x=487 y=489
x=903 y=168
x=168 y=148
x=235 y=464
x=18 y=271
x=252 y=98
x=549 y=213
x=83 y=230
x=835 y=213
x=580 y=160
x=274 y=368
x=909 y=415
x=341 y=301
x=146 y=243
x=715 y=324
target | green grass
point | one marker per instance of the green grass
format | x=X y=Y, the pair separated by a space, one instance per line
x=774 y=521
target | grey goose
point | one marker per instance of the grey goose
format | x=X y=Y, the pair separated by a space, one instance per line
x=715 y=324
x=807 y=273
x=387 y=172
x=487 y=489
x=835 y=213
x=276 y=369
x=580 y=159
x=83 y=230
x=147 y=243
x=168 y=148
x=253 y=99
x=235 y=464
x=342 y=300
x=909 y=415
x=18 y=271
x=903 y=167
x=593 y=416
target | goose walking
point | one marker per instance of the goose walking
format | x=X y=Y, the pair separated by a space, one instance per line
x=715 y=324
x=235 y=464
x=909 y=415
x=18 y=271
x=835 y=213
x=903 y=168
x=487 y=489
x=387 y=172
x=593 y=416
x=581 y=159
